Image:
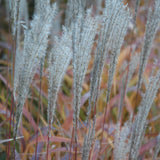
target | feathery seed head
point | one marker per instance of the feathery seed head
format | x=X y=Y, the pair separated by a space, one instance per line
x=84 y=32
x=152 y=25
x=140 y=121
x=59 y=60
x=114 y=25
x=122 y=141
x=35 y=45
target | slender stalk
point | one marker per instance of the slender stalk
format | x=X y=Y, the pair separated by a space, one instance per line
x=76 y=139
x=105 y=113
x=136 y=10
x=49 y=129
x=8 y=149
x=7 y=134
x=39 y=106
x=14 y=136
x=71 y=143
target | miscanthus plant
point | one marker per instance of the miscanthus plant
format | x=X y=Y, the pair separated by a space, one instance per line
x=28 y=58
x=139 y=124
x=112 y=32
x=59 y=60
x=153 y=20
x=92 y=36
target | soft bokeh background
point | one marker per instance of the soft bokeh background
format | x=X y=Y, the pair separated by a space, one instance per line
x=64 y=113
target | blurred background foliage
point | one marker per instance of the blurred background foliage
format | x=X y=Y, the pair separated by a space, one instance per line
x=64 y=111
